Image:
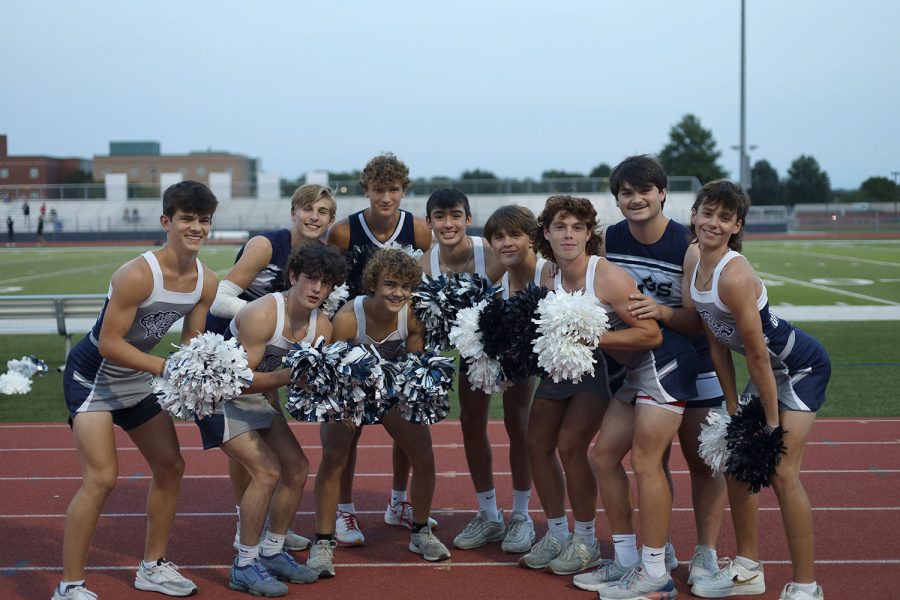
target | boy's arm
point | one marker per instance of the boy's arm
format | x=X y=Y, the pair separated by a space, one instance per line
x=339 y=236
x=256 y=324
x=421 y=234
x=256 y=255
x=415 y=339
x=131 y=285
x=344 y=324
x=614 y=286
x=195 y=321
x=684 y=319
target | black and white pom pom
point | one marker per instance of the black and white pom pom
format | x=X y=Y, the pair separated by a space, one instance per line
x=519 y=331
x=713 y=444
x=569 y=328
x=201 y=375
x=438 y=300
x=13 y=383
x=754 y=452
x=335 y=300
x=484 y=371
x=423 y=386
x=29 y=366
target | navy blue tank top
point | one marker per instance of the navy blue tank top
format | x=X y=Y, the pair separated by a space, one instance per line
x=361 y=235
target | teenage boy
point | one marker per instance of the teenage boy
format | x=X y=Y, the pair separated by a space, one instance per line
x=259 y=269
x=384 y=181
x=255 y=434
x=107 y=382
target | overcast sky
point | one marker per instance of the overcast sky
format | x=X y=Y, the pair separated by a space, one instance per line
x=514 y=86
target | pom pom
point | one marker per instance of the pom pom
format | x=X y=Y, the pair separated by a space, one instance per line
x=202 y=375
x=484 y=370
x=519 y=330
x=569 y=329
x=29 y=366
x=438 y=300
x=753 y=451
x=335 y=300
x=422 y=386
x=713 y=445
x=336 y=382
x=14 y=382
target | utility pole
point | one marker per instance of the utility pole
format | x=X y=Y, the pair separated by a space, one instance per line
x=895 y=175
x=744 y=169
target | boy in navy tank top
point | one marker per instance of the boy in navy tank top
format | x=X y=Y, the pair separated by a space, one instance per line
x=108 y=382
x=259 y=269
x=384 y=181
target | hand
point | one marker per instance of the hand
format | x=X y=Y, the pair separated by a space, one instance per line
x=645 y=307
x=349 y=424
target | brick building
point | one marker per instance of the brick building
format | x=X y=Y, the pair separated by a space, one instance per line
x=37 y=170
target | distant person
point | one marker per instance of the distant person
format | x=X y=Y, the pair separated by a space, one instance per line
x=26 y=212
x=108 y=380
x=43 y=209
x=126 y=215
x=135 y=215
x=40 y=230
x=10 y=233
x=53 y=215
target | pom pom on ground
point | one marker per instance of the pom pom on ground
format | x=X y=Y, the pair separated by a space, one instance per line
x=14 y=383
x=201 y=375
x=422 y=387
x=713 y=445
x=29 y=366
x=484 y=371
x=569 y=328
x=753 y=451
x=335 y=300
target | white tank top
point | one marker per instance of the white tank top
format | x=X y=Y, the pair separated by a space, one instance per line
x=390 y=346
x=538 y=269
x=278 y=346
x=477 y=250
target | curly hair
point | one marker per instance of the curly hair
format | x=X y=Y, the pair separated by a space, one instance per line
x=384 y=169
x=391 y=263
x=580 y=208
x=728 y=195
x=308 y=194
x=318 y=261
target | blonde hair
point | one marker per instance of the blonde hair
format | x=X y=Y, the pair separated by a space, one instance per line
x=308 y=194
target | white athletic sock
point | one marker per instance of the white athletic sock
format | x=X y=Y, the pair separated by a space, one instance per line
x=584 y=532
x=149 y=565
x=398 y=496
x=487 y=502
x=520 y=501
x=654 y=561
x=64 y=585
x=272 y=544
x=237 y=509
x=348 y=508
x=746 y=562
x=626 y=550
x=809 y=588
x=559 y=528
x=247 y=554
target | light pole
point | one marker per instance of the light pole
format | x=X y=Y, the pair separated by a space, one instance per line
x=895 y=175
x=744 y=171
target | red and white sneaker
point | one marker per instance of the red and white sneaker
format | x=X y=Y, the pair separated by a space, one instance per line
x=347 y=530
x=400 y=514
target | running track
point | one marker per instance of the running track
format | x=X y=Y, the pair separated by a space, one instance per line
x=850 y=472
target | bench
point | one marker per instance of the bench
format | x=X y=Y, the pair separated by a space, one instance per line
x=39 y=314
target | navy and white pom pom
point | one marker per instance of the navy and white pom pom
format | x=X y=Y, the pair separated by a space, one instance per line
x=335 y=300
x=423 y=387
x=484 y=372
x=519 y=331
x=569 y=328
x=713 y=443
x=754 y=452
x=29 y=366
x=201 y=375
x=438 y=300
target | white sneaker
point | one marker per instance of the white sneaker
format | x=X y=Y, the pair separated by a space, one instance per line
x=792 y=592
x=74 y=593
x=732 y=579
x=321 y=558
x=163 y=577
x=426 y=544
x=671 y=559
x=703 y=564
x=347 y=531
x=293 y=542
x=519 y=534
x=400 y=514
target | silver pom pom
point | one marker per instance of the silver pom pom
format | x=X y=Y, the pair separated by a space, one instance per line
x=202 y=375
x=14 y=382
x=335 y=300
x=29 y=366
x=569 y=328
x=713 y=445
x=484 y=370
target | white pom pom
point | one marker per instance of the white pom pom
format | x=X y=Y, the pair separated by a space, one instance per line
x=484 y=371
x=335 y=300
x=569 y=328
x=14 y=382
x=29 y=366
x=201 y=376
x=408 y=249
x=713 y=447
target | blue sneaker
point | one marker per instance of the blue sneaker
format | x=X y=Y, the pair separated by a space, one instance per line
x=256 y=581
x=637 y=585
x=284 y=567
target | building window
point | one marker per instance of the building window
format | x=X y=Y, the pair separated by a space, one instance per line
x=4 y=173
x=229 y=170
x=105 y=171
x=200 y=171
x=152 y=172
x=33 y=172
x=135 y=172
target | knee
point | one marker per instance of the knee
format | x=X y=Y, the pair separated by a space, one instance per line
x=645 y=463
x=472 y=420
x=422 y=460
x=100 y=482
x=538 y=448
x=784 y=480
x=169 y=470
x=516 y=424
x=571 y=450
x=295 y=470
x=266 y=474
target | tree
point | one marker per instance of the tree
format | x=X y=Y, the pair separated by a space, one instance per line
x=691 y=151
x=880 y=189
x=601 y=170
x=765 y=188
x=806 y=182
x=477 y=174
x=559 y=174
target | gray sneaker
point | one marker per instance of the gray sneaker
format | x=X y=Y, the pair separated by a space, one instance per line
x=293 y=542
x=74 y=593
x=480 y=531
x=519 y=534
x=671 y=559
x=576 y=557
x=637 y=584
x=321 y=558
x=732 y=579
x=792 y=592
x=542 y=553
x=256 y=581
x=163 y=577
x=427 y=544
x=607 y=573
x=284 y=567
x=703 y=564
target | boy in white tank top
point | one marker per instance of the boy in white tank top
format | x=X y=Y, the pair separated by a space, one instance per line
x=118 y=350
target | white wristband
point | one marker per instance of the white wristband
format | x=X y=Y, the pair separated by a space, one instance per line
x=227 y=303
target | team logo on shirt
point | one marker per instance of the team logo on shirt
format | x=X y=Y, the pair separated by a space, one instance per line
x=269 y=363
x=157 y=324
x=651 y=287
x=722 y=331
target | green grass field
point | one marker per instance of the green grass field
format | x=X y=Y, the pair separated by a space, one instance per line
x=865 y=355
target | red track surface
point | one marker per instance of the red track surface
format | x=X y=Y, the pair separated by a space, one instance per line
x=850 y=472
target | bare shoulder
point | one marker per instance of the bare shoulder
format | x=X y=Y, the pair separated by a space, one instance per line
x=324 y=327
x=425 y=262
x=339 y=235
x=421 y=234
x=133 y=280
x=601 y=231
x=344 y=323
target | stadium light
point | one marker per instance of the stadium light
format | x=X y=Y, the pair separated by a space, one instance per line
x=744 y=168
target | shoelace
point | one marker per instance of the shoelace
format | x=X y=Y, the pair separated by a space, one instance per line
x=328 y=547
x=629 y=578
x=262 y=573
x=403 y=511
x=350 y=521
x=724 y=568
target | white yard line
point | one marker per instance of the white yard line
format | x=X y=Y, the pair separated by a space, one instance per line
x=826 y=288
x=868 y=261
